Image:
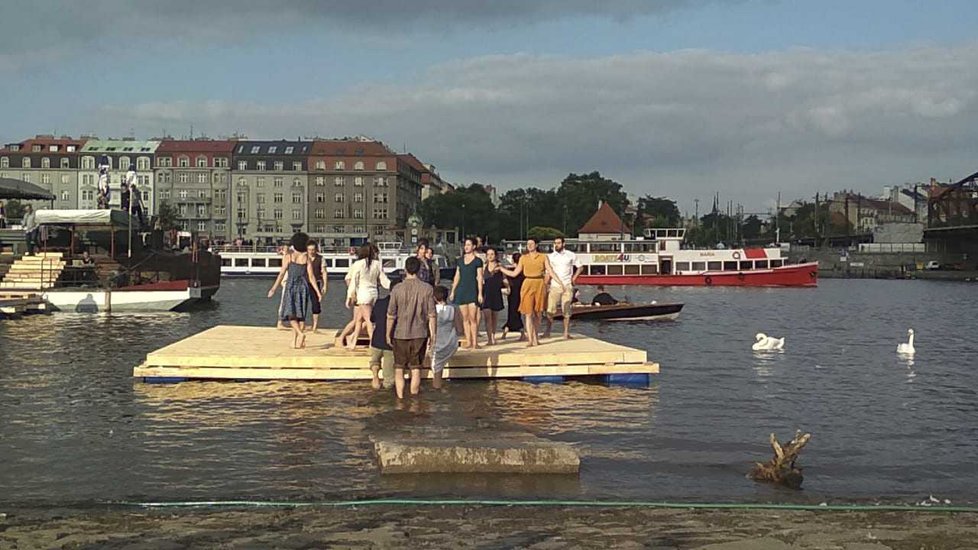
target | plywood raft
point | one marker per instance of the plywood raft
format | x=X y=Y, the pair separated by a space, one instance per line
x=258 y=353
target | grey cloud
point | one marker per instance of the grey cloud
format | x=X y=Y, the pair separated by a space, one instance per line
x=684 y=124
x=65 y=26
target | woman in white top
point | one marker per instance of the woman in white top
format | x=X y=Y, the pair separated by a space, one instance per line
x=362 y=280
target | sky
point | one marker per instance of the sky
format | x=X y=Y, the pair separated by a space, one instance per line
x=675 y=98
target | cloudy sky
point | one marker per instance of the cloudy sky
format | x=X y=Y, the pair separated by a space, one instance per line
x=680 y=98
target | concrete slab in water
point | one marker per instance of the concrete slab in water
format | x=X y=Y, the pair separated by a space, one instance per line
x=466 y=451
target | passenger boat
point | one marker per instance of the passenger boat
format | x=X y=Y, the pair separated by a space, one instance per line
x=625 y=312
x=265 y=261
x=659 y=259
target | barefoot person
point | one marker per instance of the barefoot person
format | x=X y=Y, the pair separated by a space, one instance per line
x=449 y=321
x=364 y=278
x=567 y=268
x=534 y=266
x=411 y=326
x=514 y=320
x=320 y=281
x=283 y=251
x=492 y=300
x=295 y=303
x=381 y=355
x=467 y=292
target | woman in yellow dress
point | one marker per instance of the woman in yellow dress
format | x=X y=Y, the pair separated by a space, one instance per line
x=535 y=267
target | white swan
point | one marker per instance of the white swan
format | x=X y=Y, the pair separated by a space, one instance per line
x=765 y=343
x=906 y=348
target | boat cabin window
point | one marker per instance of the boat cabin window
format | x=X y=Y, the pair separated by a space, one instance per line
x=573 y=247
x=639 y=247
x=662 y=245
x=343 y=262
x=730 y=266
x=699 y=266
x=388 y=263
x=614 y=269
x=631 y=269
x=596 y=270
x=605 y=247
x=714 y=266
x=258 y=262
x=275 y=262
x=328 y=262
x=760 y=264
x=226 y=261
x=747 y=264
x=682 y=266
x=672 y=233
x=241 y=262
x=649 y=269
x=777 y=263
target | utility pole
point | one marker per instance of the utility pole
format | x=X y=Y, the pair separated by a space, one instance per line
x=696 y=216
x=777 y=220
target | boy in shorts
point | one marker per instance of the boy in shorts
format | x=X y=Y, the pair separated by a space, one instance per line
x=381 y=355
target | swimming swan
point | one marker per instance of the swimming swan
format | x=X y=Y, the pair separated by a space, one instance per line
x=906 y=348
x=765 y=343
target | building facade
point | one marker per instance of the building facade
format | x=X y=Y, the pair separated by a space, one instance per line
x=269 y=188
x=194 y=176
x=47 y=161
x=121 y=153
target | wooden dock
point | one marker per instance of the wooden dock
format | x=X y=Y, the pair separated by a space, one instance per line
x=258 y=353
x=15 y=304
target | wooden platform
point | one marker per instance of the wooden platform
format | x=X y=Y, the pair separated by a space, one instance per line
x=16 y=304
x=258 y=353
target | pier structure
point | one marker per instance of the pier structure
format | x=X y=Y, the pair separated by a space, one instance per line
x=259 y=353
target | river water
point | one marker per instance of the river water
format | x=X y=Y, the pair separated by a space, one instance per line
x=76 y=428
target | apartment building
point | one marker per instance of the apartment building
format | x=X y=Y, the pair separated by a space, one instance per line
x=49 y=161
x=195 y=177
x=269 y=188
x=121 y=153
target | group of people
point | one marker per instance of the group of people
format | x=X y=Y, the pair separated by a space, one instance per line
x=420 y=321
x=130 y=199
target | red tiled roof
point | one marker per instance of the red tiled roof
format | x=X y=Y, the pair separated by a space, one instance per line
x=195 y=146
x=413 y=162
x=26 y=145
x=349 y=148
x=605 y=221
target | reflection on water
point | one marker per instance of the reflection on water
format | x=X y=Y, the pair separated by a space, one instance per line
x=76 y=427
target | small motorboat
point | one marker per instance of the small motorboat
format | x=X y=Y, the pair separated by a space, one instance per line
x=623 y=311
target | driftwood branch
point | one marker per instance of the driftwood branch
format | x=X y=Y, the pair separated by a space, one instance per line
x=782 y=469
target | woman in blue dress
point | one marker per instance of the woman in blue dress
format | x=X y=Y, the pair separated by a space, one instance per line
x=295 y=293
x=467 y=292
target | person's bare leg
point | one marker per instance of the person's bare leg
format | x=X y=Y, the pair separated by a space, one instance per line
x=531 y=330
x=367 y=312
x=567 y=318
x=357 y=327
x=474 y=324
x=315 y=322
x=415 y=381
x=399 y=382
x=550 y=324
x=491 y=326
x=341 y=337
x=436 y=380
x=375 y=382
x=298 y=339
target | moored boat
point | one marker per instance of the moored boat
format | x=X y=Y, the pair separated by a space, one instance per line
x=265 y=261
x=625 y=312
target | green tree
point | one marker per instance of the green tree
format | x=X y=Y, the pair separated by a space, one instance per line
x=519 y=208
x=656 y=212
x=578 y=197
x=14 y=209
x=545 y=233
x=167 y=215
x=467 y=207
x=752 y=228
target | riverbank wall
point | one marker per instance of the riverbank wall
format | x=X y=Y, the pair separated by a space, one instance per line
x=835 y=263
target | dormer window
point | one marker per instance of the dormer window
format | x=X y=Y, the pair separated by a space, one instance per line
x=272 y=150
x=201 y=161
x=255 y=149
x=183 y=161
x=71 y=148
x=358 y=165
x=36 y=148
x=381 y=165
x=53 y=148
x=288 y=150
x=339 y=165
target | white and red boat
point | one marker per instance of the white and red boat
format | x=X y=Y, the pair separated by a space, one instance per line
x=659 y=259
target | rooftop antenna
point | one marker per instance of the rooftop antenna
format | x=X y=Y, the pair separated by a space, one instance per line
x=191 y=131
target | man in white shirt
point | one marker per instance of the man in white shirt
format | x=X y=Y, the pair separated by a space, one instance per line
x=567 y=268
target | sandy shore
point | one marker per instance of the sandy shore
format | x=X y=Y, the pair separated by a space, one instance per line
x=483 y=527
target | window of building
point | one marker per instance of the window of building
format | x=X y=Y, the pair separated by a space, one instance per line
x=320 y=197
x=296 y=198
x=339 y=165
x=45 y=162
x=201 y=177
x=272 y=150
x=338 y=213
x=260 y=181
x=297 y=214
x=297 y=166
x=358 y=181
x=201 y=161
x=65 y=196
x=260 y=165
x=358 y=213
x=221 y=195
x=296 y=182
x=64 y=179
x=380 y=198
x=277 y=214
x=201 y=211
x=202 y=193
x=277 y=182
x=183 y=177
x=320 y=165
x=220 y=211
x=380 y=213
x=4 y=162
x=88 y=194
x=358 y=165
x=201 y=226
x=183 y=161
x=380 y=181
x=279 y=166
x=381 y=165
x=71 y=148
x=339 y=180
x=259 y=212
x=289 y=149
x=278 y=197
x=184 y=193
x=242 y=214
x=124 y=163
x=25 y=162
x=242 y=165
x=219 y=227
x=339 y=197
x=64 y=162
x=220 y=162
x=319 y=228
x=260 y=198
x=46 y=178
x=255 y=149
x=88 y=163
x=320 y=213
x=358 y=197
x=320 y=181
x=142 y=163
x=36 y=149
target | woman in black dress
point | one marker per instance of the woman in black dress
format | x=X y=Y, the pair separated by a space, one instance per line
x=492 y=294
x=514 y=320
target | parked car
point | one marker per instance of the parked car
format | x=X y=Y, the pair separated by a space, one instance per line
x=933 y=264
